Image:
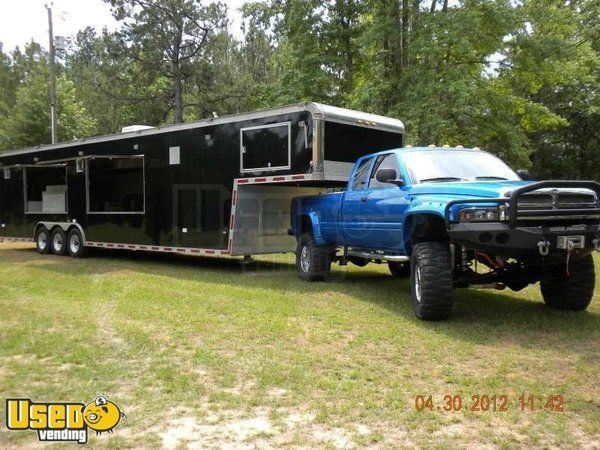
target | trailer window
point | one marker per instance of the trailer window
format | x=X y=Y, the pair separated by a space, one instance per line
x=347 y=143
x=116 y=185
x=45 y=190
x=265 y=147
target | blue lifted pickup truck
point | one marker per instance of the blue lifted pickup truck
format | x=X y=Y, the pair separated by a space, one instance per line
x=436 y=214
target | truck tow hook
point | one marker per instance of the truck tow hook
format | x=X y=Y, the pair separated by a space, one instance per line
x=544 y=247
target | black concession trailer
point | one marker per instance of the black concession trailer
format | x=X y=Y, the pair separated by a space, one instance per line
x=220 y=186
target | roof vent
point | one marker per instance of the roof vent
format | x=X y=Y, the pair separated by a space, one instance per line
x=431 y=146
x=132 y=128
x=446 y=146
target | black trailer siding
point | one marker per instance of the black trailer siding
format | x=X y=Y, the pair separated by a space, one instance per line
x=173 y=187
x=209 y=162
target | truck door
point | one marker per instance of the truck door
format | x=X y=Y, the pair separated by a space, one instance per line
x=383 y=208
x=352 y=222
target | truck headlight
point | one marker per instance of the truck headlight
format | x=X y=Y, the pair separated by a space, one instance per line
x=479 y=215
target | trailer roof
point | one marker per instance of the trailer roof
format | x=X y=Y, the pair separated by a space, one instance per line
x=319 y=111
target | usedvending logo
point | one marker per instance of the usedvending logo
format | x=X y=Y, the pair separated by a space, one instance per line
x=56 y=421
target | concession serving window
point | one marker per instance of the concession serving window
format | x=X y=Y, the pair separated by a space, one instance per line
x=45 y=189
x=115 y=185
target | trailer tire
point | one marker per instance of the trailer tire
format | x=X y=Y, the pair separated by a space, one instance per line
x=58 y=241
x=431 y=281
x=573 y=292
x=312 y=262
x=399 y=270
x=42 y=240
x=75 y=245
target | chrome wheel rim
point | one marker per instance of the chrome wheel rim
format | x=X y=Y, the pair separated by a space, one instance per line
x=305 y=259
x=418 y=283
x=74 y=244
x=42 y=241
x=58 y=242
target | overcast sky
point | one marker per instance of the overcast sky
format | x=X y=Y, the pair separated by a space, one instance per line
x=22 y=20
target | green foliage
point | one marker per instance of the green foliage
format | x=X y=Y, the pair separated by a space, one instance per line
x=521 y=79
x=28 y=123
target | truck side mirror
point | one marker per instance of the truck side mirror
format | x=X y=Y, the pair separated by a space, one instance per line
x=524 y=174
x=388 y=176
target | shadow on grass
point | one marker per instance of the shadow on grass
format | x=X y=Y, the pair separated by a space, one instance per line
x=478 y=315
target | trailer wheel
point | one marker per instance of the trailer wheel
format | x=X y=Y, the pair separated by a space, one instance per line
x=58 y=241
x=42 y=240
x=431 y=281
x=573 y=292
x=75 y=245
x=399 y=270
x=312 y=262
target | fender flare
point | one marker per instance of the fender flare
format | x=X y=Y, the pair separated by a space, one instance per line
x=65 y=226
x=408 y=224
x=316 y=228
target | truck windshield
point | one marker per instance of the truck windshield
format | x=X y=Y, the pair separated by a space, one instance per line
x=443 y=166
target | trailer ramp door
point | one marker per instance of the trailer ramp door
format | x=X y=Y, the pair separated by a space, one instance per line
x=262 y=218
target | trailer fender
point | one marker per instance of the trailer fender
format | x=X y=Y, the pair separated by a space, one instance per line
x=65 y=226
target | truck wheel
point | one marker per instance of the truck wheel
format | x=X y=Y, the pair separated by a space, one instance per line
x=58 y=241
x=312 y=262
x=573 y=292
x=42 y=240
x=75 y=245
x=431 y=281
x=399 y=270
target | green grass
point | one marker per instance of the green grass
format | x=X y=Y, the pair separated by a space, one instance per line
x=207 y=352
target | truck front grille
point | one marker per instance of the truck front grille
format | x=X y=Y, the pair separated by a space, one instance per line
x=564 y=200
x=558 y=204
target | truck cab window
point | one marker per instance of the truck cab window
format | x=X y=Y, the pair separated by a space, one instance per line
x=359 y=180
x=389 y=161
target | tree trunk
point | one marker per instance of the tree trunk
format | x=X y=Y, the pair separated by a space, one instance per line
x=405 y=18
x=177 y=95
x=177 y=79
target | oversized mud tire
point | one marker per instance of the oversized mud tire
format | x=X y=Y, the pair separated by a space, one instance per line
x=312 y=262
x=431 y=281
x=569 y=292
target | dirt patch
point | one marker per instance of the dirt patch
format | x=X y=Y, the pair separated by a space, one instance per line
x=337 y=437
x=215 y=431
x=232 y=429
